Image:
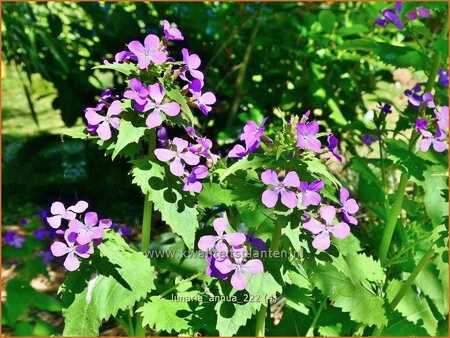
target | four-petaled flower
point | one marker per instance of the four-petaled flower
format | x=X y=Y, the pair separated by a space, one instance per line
x=222 y=240
x=191 y=63
x=13 y=239
x=171 y=33
x=349 y=206
x=149 y=52
x=72 y=249
x=203 y=101
x=420 y=11
x=442 y=117
x=178 y=156
x=322 y=231
x=238 y=279
x=138 y=92
x=391 y=15
x=421 y=124
x=59 y=211
x=310 y=196
x=438 y=141
x=104 y=123
x=306 y=136
x=191 y=182
x=252 y=134
x=256 y=242
x=88 y=230
x=288 y=197
x=157 y=94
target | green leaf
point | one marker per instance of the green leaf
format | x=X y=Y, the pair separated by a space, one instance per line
x=128 y=133
x=124 y=68
x=315 y=166
x=213 y=194
x=164 y=314
x=350 y=297
x=173 y=92
x=327 y=20
x=367 y=45
x=176 y=207
x=76 y=133
x=248 y=162
x=359 y=165
x=110 y=284
x=401 y=56
x=435 y=185
x=405 y=159
x=231 y=316
x=412 y=307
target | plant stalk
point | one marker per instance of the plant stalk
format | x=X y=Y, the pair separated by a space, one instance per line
x=310 y=332
x=400 y=194
x=261 y=315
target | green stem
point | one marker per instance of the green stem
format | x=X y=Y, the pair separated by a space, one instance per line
x=148 y=204
x=139 y=330
x=412 y=277
x=310 y=332
x=261 y=315
x=169 y=290
x=400 y=194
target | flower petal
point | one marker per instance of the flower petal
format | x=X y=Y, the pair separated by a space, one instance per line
x=322 y=241
x=314 y=226
x=340 y=230
x=54 y=221
x=270 y=177
x=57 y=208
x=157 y=92
x=225 y=266
x=177 y=167
x=238 y=280
x=171 y=108
x=270 y=197
x=190 y=158
x=220 y=225
x=289 y=198
x=154 y=119
x=291 y=180
x=115 y=108
x=104 y=131
x=80 y=207
x=76 y=226
x=59 y=249
x=235 y=239
x=327 y=213
x=206 y=243
x=253 y=266
x=91 y=219
x=164 y=155
x=71 y=262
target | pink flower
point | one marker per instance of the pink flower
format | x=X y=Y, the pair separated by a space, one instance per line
x=192 y=62
x=306 y=136
x=60 y=212
x=88 y=230
x=222 y=240
x=349 y=206
x=203 y=101
x=437 y=141
x=171 y=33
x=105 y=122
x=238 y=279
x=191 y=182
x=288 y=197
x=178 y=156
x=155 y=118
x=322 y=231
x=149 y=52
x=72 y=250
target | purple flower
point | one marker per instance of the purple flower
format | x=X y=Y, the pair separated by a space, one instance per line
x=157 y=94
x=238 y=279
x=309 y=193
x=442 y=117
x=178 y=156
x=163 y=137
x=203 y=147
x=24 y=221
x=443 y=77
x=418 y=12
x=211 y=270
x=149 y=52
x=47 y=256
x=413 y=95
x=421 y=124
x=332 y=147
x=138 y=92
x=40 y=234
x=222 y=240
x=104 y=123
x=437 y=141
x=368 y=139
x=288 y=197
x=72 y=250
x=385 y=108
x=238 y=151
x=203 y=101
x=88 y=230
x=192 y=62
x=171 y=33
x=252 y=134
x=256 y=242
x=322 y=231
x=391 y=15
x=191 y=182
x=60 y=212
x=428 y=99
x=124 y=56
x=306 y=136
x=349 y=206
x=124 y=231
x=13 y=239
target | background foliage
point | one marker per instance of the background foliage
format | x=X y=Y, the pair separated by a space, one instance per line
x=257 y=58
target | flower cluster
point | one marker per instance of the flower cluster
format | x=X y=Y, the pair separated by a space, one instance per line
x=251 y=136
x=14 y=239
x=80 y=234
x=146 y=89
x=439 y=124
x=227 y=254
x=392 y=15
x=184 y=158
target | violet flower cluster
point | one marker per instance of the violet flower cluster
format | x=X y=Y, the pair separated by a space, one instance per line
x=228 y=254
x=81 y=231
x=393 y=15
x=149 y=98
x=184 y=158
